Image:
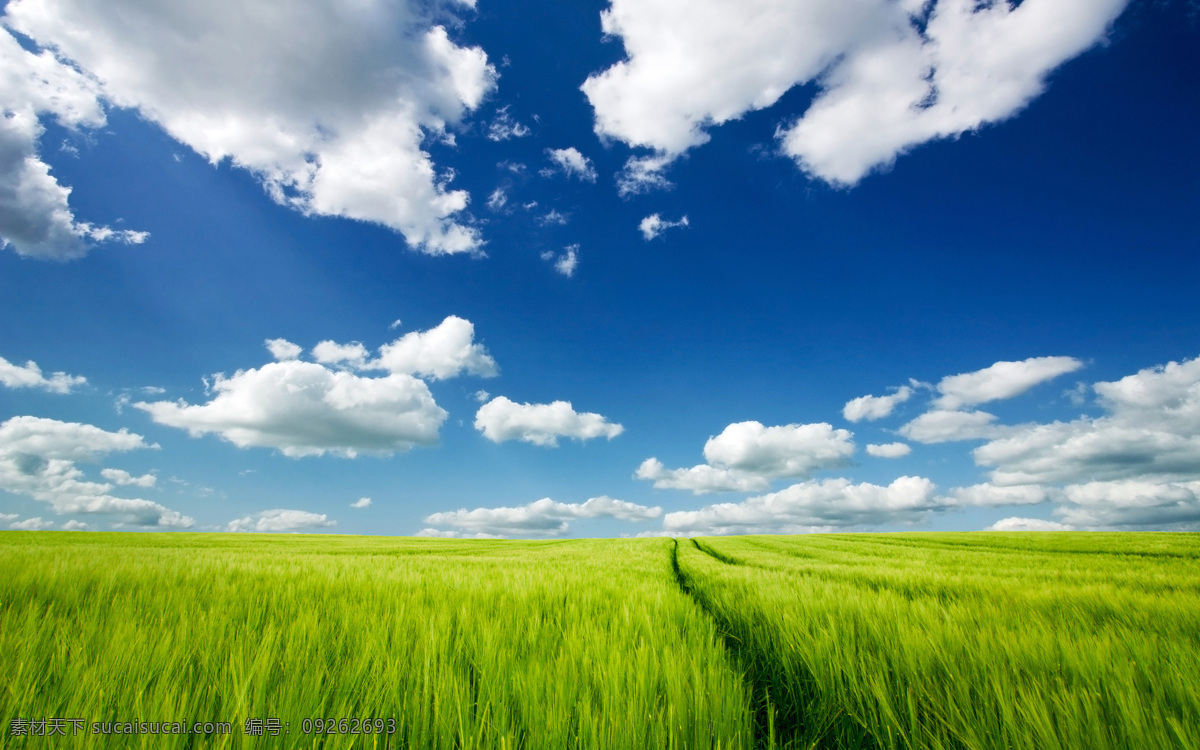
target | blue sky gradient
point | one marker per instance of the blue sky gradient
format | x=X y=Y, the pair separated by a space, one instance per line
x=1066 y=229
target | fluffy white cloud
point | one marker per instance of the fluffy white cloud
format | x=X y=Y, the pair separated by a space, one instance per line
x=447 y=350
x=362 y=502
x=451 y=534
x=74 y=525
x=747 y=455
x=36 y=220
x=541 y=424
x=497 y=199
x=279 y=519
x=1152 y=429
x=642 y=174
x=1132 y=504
x=326 y=104
x=283 y=350
x=125 y=479
x=32 y=524
x=654 y=225
x=1001 y=380
x=305 y=409
x=30 y=376
x=330 y=353
x=38 y=457
x=1027 y=524
x=989 y=495
x=893 y=74
x=571 y=163
x=567 y=262
x=875 y=407
x=542 y=517
x=888 y=450
x=942 y=426
x=554 y=216
x=829 y=503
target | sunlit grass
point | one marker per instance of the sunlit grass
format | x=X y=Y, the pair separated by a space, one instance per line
x=1035 y=641
x=465 y=644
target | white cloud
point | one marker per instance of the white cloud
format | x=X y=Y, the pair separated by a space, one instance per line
x=438 y=533
x=1001 y=380
x=554 y=217
x=125 y=479
x=565 y=263
x=32 y=524
x=571 y=163
x=541 y=424
x=654 y=225
x=36 y=220
x=542 y=517
x=305 y=409
x=326 y=104
x=1132 y=504
x=504 y=127
x=283 y=350
x=812 y=505
x=362 y=502
x=444 y=351
x=329 y=353
x=74 y=525
x=886 y=85
x=30 y=376
x=941 y=426
x=989 y=495
x=1027 y=524
x=6 y=517
x=1152 y=429
x=888 y=450
x=642 y=174
x=497 y=199
x=747 y=455
x=875 y=407
x=38 y=459
x=279 y=519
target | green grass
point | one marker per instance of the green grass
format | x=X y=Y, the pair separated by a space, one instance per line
x=465 y=644
x=1037 y=641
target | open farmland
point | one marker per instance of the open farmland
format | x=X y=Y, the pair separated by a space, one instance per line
x=873 y=641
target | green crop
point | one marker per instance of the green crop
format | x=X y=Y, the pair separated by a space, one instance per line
x=884 y=641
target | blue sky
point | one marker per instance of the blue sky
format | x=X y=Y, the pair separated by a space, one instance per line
x=938 y=270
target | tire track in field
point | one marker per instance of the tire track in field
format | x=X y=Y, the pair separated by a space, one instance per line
x=770 y=729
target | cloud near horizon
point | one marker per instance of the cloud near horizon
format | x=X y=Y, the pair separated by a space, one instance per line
x=543 y=517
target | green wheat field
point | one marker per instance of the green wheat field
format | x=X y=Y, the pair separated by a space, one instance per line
x=888 y=641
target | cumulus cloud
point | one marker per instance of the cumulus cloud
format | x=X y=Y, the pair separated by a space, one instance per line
x=1151 y=429
x=747 y=455
x=989 y=495
x=32 y=524
x=362 y=502
x=310 y=408
x=940 y=426
x=875 y=407
x=30 y=376
x=543 y=517
x=326 y=105
x=888 y=450
x=554 y=217
x=38 y=459
x=447 y=350
x=1027 y=524
x=1001 y=380
x=504 y=127
x=541 y=424
x=567 y=262
x=892 y=74
x=36 y=220
x=74 y=525
x=279 y=519
x=571 y=163
x=1132 y=504
x=813 y=505
x=283 y=350
x=654 y=225
x=642 y=174
x=306 y=409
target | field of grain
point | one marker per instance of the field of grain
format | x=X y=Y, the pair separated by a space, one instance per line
x=1027 y=641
